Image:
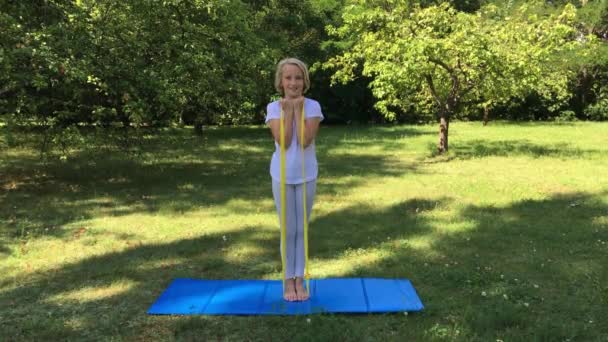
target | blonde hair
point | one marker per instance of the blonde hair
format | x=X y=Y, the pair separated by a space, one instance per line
x=279 y=74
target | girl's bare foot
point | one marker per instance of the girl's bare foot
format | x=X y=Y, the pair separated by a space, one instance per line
x=301 y=292
x=290 y=294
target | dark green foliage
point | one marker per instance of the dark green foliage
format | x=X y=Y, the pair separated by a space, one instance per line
x=137 y=63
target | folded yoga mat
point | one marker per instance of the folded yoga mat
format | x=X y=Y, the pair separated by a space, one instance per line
x=265 y=297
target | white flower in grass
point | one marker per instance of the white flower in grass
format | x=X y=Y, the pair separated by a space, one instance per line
x=535 y=286
x=308 y=320
x=505 y=296
x=224 y=238
x=526 y=304
x=483 y=293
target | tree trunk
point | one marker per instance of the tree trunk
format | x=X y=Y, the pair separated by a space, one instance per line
x=198 y=128
x=485 y=115
x=444 y=123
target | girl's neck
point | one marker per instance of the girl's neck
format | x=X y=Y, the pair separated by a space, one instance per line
x=292 y=97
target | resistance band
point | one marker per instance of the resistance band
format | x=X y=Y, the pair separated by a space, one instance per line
x=302 y=126
x=283 y=199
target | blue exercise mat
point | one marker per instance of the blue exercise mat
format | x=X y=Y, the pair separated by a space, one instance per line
x=265 y=297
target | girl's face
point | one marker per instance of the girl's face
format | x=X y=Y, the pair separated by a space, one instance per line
x=292 y=81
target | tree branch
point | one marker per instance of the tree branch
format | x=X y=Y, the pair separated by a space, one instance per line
x=429 y=81
x=453 y=97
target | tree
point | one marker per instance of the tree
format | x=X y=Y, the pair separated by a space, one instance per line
x=135 y=62
x=590 y=86
x=439 y=60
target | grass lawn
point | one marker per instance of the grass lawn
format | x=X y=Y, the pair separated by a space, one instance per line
x=504 y=238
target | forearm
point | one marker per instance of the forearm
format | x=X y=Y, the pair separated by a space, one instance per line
x=288 y=130
x=309 y=133
x=275 y=126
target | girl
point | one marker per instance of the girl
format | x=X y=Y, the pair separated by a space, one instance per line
x=292 y=81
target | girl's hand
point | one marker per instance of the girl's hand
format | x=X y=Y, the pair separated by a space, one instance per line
x=297 y=106
x=297 y=103
x=283 y=103
x=287 y=107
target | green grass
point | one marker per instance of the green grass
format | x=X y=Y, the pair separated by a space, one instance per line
x=505 y=237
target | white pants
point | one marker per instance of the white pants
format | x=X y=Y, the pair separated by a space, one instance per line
x=294 y=213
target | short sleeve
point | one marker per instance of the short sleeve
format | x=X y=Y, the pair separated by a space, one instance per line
x=313 y=109
x=273 y=111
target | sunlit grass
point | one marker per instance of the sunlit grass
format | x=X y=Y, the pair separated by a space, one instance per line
x=505 y=237
x=92 y=293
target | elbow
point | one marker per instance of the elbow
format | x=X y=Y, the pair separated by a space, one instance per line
x=308 y=142
x=287 y=141
x=288 y=137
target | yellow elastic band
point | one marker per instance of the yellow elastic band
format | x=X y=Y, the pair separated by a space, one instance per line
x=306 y=276
x=283 y=200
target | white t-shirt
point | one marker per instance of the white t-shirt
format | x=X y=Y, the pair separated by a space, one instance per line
x=293 y=155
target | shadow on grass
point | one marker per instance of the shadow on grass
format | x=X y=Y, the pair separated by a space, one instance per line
x=388 y=137
x=535 y=269
x=146 y=269
x=555 y=244
x=362 y=227
x=470 y=149
x=174 y=172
